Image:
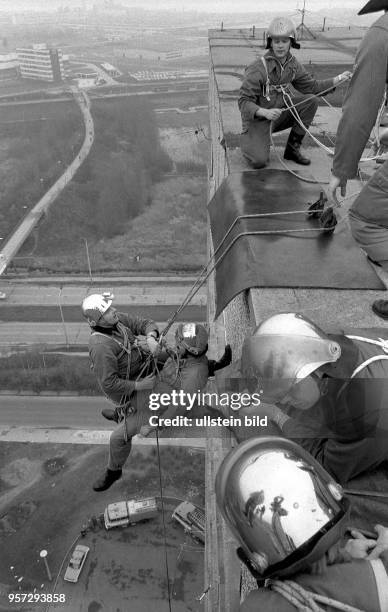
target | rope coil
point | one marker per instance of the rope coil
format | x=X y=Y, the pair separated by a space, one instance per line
x=304 y=600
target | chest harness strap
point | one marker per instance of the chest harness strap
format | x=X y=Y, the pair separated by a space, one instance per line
x=124 y=407
x=266 y=88
x=380 y=342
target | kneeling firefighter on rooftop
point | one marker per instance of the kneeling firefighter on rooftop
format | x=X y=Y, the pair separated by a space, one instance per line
x=264 y=91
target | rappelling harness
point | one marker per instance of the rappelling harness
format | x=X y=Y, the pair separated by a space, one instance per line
x=270 y=87
x=124 y=407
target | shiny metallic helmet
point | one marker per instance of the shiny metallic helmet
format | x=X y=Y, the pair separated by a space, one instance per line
x=284 y=509
x=283 y=27
x=283 y=350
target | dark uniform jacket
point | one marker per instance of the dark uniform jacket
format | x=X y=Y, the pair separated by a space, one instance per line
x=253 y=89
x=362 y=101
x=115 y=359
x=190 y=375
x=351 y=583
x=347 y=429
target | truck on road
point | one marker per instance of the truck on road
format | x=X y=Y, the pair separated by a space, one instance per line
x=125 y=513
x=192 y=520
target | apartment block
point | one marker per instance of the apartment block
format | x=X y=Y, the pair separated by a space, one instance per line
x=41 y=62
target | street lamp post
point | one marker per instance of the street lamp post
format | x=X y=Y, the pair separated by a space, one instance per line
x=88 y=260
x=62 y=317
x=43 y=555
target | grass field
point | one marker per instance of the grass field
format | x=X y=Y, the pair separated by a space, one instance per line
x=170 y=235
x=38 y=142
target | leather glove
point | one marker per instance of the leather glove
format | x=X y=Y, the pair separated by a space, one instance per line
x=152 y=344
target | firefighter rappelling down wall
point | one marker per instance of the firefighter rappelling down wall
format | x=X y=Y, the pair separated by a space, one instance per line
x=130 y=360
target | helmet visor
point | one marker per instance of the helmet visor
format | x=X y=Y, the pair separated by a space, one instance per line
x=277 y=502
x=275 y=363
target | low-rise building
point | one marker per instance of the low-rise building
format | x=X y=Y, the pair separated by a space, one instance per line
x=111 y=70
x=9 y=66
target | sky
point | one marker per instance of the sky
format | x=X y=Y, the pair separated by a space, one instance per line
x=250 y=5
x=219 y=6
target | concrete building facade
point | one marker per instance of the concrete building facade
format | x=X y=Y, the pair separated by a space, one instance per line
x=41 y=62
x=9 y=66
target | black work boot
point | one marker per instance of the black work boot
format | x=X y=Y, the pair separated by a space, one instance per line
x=110 y=414
x=225 y=360
x=292 y=150
x=104 y=482
x=380 y=307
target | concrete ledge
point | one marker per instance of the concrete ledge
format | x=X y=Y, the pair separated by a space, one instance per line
x=331 y=309
x=28 y=392
x=83 y=436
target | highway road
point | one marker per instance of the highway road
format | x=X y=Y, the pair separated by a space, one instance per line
x=96 y=94
x=72 y=412
x=72 y=313
x=22 y=334
x=31 y=312
x=130 y=292
x=73 y=420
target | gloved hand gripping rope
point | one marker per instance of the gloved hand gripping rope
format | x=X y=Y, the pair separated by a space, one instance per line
x=327 y=217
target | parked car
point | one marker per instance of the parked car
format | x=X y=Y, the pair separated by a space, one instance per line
x=130 y=512
x=192 y=519
x=76 y=563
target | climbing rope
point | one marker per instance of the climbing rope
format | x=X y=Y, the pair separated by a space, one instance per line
x=291 y=106
x=207 y=270
x=209 y=266
x=305 y=179
x=163 y=522
x=306 y=601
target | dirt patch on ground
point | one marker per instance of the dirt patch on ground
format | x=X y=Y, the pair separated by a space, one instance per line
x=16 y=516
x=17 y=477
x=184 y=144
x=54 y=465
x=20 y=472
x=125 y=568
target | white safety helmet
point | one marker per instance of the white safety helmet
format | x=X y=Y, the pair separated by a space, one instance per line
x=95 y=305
x=283 y=27
x=285 y=349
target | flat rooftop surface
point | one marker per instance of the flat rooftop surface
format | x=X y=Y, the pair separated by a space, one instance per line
x=231 y=51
